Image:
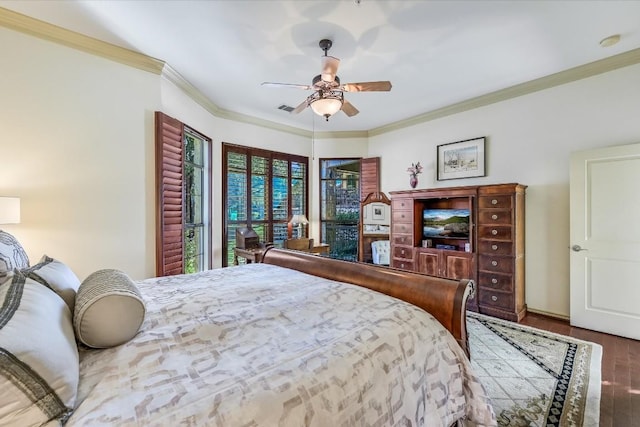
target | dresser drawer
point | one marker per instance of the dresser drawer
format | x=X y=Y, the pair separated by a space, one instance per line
x=402 y=204
x=494 y=216
x=402 y=228
x=498 y=264
x=503 y=202
x=495 y=281
x=399 y=263
x=402 y=252
x=402 y=239
x=496 y=299
x=498 y=232
x=495 y=247
x=402 y=216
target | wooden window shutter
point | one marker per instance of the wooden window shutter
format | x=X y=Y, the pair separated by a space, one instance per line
x=369 y=177
x=169 y=195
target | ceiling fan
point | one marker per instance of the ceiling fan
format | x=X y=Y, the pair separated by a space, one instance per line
x=328 y=96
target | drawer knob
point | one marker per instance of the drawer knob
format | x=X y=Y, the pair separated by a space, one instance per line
x=494 y=232
x=494 y=298
x=494 y=216
x=494 y=202
x=494 y=281
x=494 y=247
x=401 y=265
x=494 y=263
x=402 y=251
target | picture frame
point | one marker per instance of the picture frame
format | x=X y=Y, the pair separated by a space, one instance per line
x=377 y=210
x=461 y=159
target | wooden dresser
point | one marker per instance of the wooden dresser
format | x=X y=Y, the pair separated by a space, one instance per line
x=492 y=254
x=402 y=233
x=501 y=251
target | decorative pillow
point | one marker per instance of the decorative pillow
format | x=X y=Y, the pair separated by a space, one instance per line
x=57 y=276
x=39 y=367
x=109 y=309
x=12 y=254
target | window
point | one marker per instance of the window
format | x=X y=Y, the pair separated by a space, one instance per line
x=194 y=228
x=262 y=189
x=340 y=206
x=183 y=210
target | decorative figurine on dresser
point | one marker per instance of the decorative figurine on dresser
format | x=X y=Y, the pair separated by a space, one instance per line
x=471 y=232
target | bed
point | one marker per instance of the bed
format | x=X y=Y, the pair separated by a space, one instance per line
x=296 y=340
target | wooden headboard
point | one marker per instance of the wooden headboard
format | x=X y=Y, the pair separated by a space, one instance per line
x=445 y=299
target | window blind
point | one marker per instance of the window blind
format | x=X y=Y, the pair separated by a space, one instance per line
x=169 y=195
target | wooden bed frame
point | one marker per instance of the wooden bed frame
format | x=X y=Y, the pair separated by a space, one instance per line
x=445 y=299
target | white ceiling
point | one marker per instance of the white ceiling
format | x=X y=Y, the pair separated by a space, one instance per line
x=435 y=53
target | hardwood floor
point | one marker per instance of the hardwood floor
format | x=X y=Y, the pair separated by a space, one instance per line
x=620 y=398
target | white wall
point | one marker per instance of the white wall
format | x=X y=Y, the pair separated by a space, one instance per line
x=76 y=145
x=529 y=140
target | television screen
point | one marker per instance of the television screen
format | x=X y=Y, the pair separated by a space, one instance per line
x=445 y=223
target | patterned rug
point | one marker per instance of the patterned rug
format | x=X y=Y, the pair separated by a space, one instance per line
x=534 y=377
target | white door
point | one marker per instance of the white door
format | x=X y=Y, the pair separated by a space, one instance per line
x=605 y=240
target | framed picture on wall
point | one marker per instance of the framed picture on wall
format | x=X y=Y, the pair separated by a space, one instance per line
x=461 y=159
x=378 y=211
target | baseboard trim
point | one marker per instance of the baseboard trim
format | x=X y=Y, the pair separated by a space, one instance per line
x=548 y=314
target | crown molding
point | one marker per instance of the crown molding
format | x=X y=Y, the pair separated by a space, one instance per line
x=50 y=32
x=341 y=134
x=43 y=30
x=601 y=66
x=174 y=77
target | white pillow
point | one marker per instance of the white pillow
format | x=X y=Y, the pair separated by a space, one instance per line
x=12 y=254
x=38 y=354
x=57 y=276
x=109 y=309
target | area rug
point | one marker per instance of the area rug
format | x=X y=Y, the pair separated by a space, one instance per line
x=534 y=377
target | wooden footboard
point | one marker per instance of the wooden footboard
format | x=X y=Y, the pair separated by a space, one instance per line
x=445 y=299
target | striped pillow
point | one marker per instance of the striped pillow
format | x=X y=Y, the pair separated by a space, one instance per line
x=109 y=309
x=39 y=367
x=12 y=254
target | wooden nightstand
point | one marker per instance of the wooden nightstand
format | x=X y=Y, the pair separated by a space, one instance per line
x=251 y=255
x=322 y=248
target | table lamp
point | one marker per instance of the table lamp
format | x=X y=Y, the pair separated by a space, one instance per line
x=9 y=210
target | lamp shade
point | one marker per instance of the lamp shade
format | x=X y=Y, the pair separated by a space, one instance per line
x=326 y=102
x=299 y=219
x=9 y=210
x=326 y=106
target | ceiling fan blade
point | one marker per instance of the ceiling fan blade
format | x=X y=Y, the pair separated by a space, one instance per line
x=300 y=107
x=329 y=68
x=383 y=86
x=349 y=109
x=305 y=87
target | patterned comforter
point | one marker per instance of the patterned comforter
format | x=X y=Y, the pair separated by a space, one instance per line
x=261 y=345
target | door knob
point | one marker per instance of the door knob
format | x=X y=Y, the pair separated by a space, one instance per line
x=577 y=248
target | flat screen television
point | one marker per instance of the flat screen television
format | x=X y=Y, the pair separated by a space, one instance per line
x=445 y=223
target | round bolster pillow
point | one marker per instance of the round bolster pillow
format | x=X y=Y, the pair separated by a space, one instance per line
x=109 y=309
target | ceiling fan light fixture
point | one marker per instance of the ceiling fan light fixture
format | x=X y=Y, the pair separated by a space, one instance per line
x=326 y=103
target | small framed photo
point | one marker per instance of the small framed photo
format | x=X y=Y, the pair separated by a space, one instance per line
x=378 y=212
x=461 y=159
